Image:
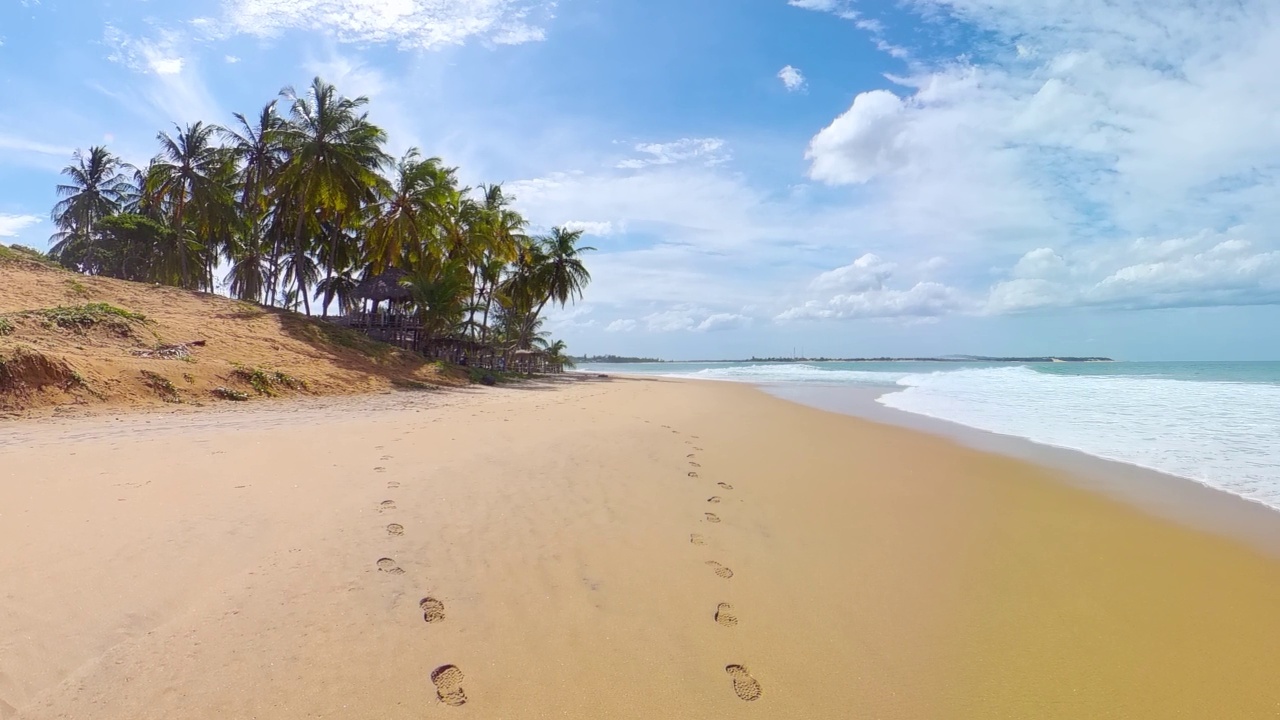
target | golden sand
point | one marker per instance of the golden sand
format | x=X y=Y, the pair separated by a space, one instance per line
x=620 y=549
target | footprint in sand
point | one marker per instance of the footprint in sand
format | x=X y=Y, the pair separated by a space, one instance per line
x=691 y=455
x=712 y=517
x=395 y=529
x=379 y=469
x=448 y=682
x=385 y=457
x=393 y=485
x=432 y=609
x=693 y=473
x=744 y=685
x=713 y=499
x=387 y=565
x=725 y=616
x=386 y=505
x=725 y=485
x=697 y=539
x=693 y=464
x=721 y=571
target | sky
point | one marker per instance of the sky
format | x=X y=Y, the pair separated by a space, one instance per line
x=761 y=177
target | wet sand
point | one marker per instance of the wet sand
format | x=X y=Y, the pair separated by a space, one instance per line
x=622 y=548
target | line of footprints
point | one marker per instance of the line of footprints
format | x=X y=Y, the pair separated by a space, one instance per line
x=446 y=678
x=745 y=686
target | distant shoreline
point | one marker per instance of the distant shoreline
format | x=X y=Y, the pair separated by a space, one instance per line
x=963 y=359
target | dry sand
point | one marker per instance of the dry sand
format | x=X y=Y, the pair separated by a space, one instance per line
x=273 y=563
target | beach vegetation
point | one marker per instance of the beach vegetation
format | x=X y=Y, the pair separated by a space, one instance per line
x=267 y=382
x=226 y=393
x=161 y=385
x=300 y=204
x=6 y=326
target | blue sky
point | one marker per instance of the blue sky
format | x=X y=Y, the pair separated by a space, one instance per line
x=850 y=178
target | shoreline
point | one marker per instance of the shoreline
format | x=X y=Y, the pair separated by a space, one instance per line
x=1189 y=501
x=1185 y=500
x=599 y=549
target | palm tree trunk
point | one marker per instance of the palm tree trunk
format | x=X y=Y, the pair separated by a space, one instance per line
x=297 y=244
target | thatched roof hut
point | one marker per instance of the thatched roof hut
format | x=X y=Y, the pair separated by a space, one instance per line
x=385 y=286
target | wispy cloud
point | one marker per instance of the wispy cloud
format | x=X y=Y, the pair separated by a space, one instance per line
x=172 y=91
x=840 y=8
x=425 y=24
x=709 y=151
x=12 y=225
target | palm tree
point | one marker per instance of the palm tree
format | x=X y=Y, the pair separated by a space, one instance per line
x=97 y=187
x=299 y=208
x=548 y=269
x=440 y=296
x=405 y=217
x=332 y=170
x=192 y=178
x=260 y=151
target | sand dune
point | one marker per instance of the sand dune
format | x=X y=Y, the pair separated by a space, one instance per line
x=550 y=552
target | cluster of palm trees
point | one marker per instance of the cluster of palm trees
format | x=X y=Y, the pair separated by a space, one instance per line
x=300 y=204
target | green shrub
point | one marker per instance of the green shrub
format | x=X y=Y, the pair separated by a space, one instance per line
x=228 y=394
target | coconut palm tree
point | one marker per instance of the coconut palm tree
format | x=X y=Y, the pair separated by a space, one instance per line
x=98 y=186
x=404 y=220
x=332 y=169
x=193 y=179
x=549 y=269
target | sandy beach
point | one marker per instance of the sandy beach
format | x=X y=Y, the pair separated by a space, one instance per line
x=621 y=548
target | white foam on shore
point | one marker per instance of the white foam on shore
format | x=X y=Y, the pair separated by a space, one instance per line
x=795 y=373
x=1221 y=434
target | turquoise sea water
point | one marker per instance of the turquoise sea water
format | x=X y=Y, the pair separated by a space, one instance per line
x=1214 y=422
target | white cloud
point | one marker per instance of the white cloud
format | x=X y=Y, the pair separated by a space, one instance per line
x=10 y=142
x=11 y=225
x=160 y=56
x=723 y=321
x=706 y=150
x=425 y=24
x=791 y=78
x=626 y=325
x=1096 y=122
x=589 y=227
x=868 y=272
x=230 y=59
x=173 y=92
x=693 y=319
x=861 y=290
x=1207 y=269
x=840 y=8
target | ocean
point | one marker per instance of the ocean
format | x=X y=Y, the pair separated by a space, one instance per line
x=1217 y=423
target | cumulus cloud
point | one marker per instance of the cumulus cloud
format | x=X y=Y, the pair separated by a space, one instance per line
x=11 y=225
x=1080 y=128
x=1208 y=269
x=424 y=24
x=708 y=151
x=861 y=290
x=791 y=78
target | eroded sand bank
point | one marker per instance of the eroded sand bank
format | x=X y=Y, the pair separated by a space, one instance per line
x=622 y=548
